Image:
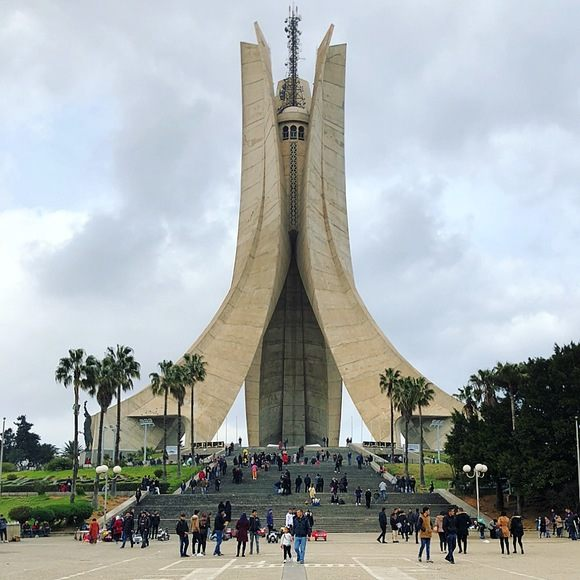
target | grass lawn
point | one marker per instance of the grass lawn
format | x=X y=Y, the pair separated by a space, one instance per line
x=128 y=474
x=438 y=473
x=46 y=501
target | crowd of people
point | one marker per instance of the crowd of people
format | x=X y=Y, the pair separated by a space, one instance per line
x=452 y=529
x=558 y=525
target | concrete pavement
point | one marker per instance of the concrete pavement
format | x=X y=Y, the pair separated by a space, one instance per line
x=348 y=556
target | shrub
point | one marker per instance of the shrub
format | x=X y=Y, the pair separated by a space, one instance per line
x=158 y=473
x=20 y=513
x=62 y=513
x=81 y=490
x=59 y=464
x=43 y=514
x=7 y=467
x=80 y=512
x=41 y=487
x=11 y=477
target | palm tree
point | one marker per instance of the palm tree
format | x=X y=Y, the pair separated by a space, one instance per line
x=405 y=396
x=79 y=371
x=194 y=367
x=104 y=390
x=177 y=382
x=509 y=377
x=68 y=450
x=483 y=386
x=425 y=395
x=466 y=396
x=388 y=382
x=124 y=369
x=160 y=384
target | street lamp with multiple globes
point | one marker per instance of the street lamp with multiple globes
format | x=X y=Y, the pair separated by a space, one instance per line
x=478 y=471
x=104 y=470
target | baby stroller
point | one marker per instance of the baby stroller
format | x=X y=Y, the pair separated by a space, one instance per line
x=273 y=537
x=163 y=535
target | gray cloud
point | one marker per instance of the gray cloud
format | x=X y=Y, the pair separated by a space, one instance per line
x=462 y=146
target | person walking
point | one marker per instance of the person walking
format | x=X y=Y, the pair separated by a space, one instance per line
x=204 y=522
x=440 y=532
x=425 y=533
x=254 y=471
x=503 y=532
x=254 y=529
x=393 y=522
x=182 y=530
x=302 y=531
x=463 y=522
x=3 y=529
x=286 y=541
x=298 y=483
x=368 y=496
x=358 y=496
x=219 y=524
x=155 y=520
x=144 y=526
x=128 y=527
x=195 y=533
x=93 y=531
x=517 y=531
x=242 y=527
x=450 y=529
x=383 y=490
x=383 y=525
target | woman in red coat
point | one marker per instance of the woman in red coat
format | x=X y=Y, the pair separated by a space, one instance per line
x=242 y=527
x=117 y=528
x=94 y=531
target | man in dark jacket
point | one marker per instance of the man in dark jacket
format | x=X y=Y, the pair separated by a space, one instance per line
x=368 y=496
x=128 y=527
x=182 y=530
x=462 y=521
x=307 y=482
x=302 y=531
x=450 y=530
x=383 y=525
x=219 y=524
x=298 y=483
x=255 y=526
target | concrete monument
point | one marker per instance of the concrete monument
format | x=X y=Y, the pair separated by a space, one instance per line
x=292 y=327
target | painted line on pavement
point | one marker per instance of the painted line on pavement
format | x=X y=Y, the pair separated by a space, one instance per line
x=392 y=573
x=212 y=575
x=512 y=572
x=171 y=565
x=96 y=569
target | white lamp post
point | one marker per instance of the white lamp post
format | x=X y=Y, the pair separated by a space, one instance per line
x=478 y=471
x=104 y=470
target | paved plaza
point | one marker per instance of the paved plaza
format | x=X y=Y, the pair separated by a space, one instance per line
x=348 y=556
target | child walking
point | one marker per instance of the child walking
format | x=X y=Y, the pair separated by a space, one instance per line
x=286 y=543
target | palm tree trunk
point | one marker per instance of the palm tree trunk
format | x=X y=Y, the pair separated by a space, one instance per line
x=192 y=426
x=117 y=439
x=421 y=458
x=407 y=447
x=179 y=440
x=99 y=459
x=75 y=472
x=513 y=409
x=392 y=430
x=165 y=434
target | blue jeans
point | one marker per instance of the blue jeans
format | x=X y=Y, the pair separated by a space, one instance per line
x=183 y=544
x=300 y=547
x=219 y=536
x=451 y=543
x=425 y=545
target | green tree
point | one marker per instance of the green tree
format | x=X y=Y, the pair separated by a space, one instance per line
x=466 y=396
x=195 y=372
x=510 y=377
x=425 y=395
x=483 y=387
x=104 y=391
x=160 y=385
x=124 y=370
x=388 y=382
x=25 y=445
x=405 y=399
x=68 y=450
x=79 y=371
x=177 y=381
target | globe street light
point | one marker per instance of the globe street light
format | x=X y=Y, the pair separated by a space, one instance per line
x=478 y=471
x=104 y=470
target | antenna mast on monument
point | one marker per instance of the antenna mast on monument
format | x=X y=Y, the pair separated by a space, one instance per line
x=291 y=93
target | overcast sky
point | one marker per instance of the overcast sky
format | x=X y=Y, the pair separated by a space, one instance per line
x=120 y=132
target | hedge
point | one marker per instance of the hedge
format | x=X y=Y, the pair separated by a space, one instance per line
x=59 y=464
x=20 y=513
x=7 y=467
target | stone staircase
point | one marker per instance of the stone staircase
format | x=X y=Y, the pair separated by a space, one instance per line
x=261 y=495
